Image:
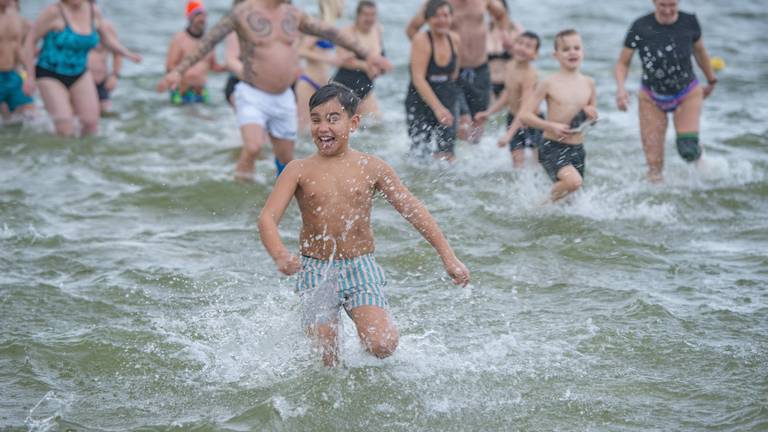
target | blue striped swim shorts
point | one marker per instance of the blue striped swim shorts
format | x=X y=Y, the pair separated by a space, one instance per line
x=358 y=280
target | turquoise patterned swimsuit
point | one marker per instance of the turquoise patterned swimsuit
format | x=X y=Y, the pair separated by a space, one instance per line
x=64 y=55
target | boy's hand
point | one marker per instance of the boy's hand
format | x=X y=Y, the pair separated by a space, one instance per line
x=482 y=116
x=591 y=112
x=502 y=142
x=457 y=271
x=560 y=130
x=288 y=264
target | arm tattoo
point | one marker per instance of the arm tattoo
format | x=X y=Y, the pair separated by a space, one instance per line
x=209 y=41
x=320 y=29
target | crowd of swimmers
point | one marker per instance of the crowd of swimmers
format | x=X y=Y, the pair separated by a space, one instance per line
x=468 y=61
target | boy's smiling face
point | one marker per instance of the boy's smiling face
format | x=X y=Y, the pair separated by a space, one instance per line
x=569 y=52
x=331 y=126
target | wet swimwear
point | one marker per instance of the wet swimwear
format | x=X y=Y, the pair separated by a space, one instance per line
x=665 y=51
x=11 y=90
x=229 y=87
x=524 y=137
x=422 y=123
x=669 y=103
x=475 y=84
x=101 y=89
x=503 y=55
x=497 y=88
x=555 y=155
x=325 y=44
x=310 y=81
x=276 y=113
x=358 y=281
x=64 y=55
x=191 y=96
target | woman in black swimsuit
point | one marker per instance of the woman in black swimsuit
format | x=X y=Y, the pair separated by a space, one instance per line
x=432 y=101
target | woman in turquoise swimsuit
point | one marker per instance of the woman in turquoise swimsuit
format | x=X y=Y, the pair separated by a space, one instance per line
x=69 y=29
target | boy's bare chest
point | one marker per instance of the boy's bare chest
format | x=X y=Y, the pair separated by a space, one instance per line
x=577 y=92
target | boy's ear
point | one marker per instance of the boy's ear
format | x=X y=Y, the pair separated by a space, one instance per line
x=354 y=122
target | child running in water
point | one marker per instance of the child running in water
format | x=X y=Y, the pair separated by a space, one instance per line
x=334 y=189
x=571 y=100
x=519 y=83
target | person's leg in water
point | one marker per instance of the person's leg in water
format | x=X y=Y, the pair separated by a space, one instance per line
x=653 y=131
x=686 y=119
x=85 y=101
x=327 y=338
x=57 y=103
x=568 y=180
x=253 y=136
x=283 y=150
x=376 y=329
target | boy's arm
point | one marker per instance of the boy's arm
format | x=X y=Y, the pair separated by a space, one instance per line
x=527 y=89
x=591 y=108
x=269 y=219
x=498 y=104
x=528 y=115
x=417 y=214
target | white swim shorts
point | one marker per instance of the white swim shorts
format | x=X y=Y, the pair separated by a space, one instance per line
x=274 y=112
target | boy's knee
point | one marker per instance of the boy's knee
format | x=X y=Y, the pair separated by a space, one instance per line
x=382 y=346
x=688 y=146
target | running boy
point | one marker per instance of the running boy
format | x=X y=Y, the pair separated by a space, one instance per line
x=334 y=189
x=570 y=99
x=519 y=83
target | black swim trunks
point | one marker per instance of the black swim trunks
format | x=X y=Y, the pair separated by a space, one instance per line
x=229 y=87
x=554 y=155
x=475 y=84
x=665 y=51
x=524 y=137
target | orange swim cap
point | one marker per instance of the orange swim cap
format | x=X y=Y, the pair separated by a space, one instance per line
x=194 y=7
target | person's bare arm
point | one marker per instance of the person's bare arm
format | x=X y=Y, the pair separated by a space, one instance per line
x=110 y=40
x=232 y=56
x=270 y=216
x=702 y=59
x=591 y=108
x=389 y=184
x=42 y=25
x=498 y=13
x=416 y=22
x=527 y=90
x=420 y=54
x=212 y=37
x=620 y=72
x=315 y=27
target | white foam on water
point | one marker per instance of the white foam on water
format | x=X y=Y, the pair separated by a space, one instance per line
x=44 y=416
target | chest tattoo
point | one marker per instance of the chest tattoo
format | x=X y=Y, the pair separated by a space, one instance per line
x=259 y=24
x=290 y=25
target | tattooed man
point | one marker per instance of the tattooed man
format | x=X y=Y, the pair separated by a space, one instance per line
x=267 y=30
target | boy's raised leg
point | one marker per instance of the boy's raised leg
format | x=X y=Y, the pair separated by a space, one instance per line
x=568 y=180
x=376 y=329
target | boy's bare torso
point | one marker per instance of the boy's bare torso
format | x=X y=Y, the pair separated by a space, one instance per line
x=518 y=77
x=567 y=94
x=335 y=196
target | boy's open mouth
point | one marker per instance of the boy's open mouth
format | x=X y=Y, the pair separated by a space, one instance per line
x=326 y=141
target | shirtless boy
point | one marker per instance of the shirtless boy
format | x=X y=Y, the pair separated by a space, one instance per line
x=474 y=74
x=12 y=29
x=267 y=31
x=192 y=87
x=568 y=93
x=334 y=189
x=519 y=82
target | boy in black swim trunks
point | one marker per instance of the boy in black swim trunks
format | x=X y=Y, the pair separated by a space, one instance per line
x=519 y=82
x=568 y=92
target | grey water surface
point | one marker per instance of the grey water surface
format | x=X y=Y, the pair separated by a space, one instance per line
x=135 y=294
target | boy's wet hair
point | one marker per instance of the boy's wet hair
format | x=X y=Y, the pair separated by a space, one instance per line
x=347 y=99
x=433 y=5
x=364 y=4
x=564 y=33
x=531 y=35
